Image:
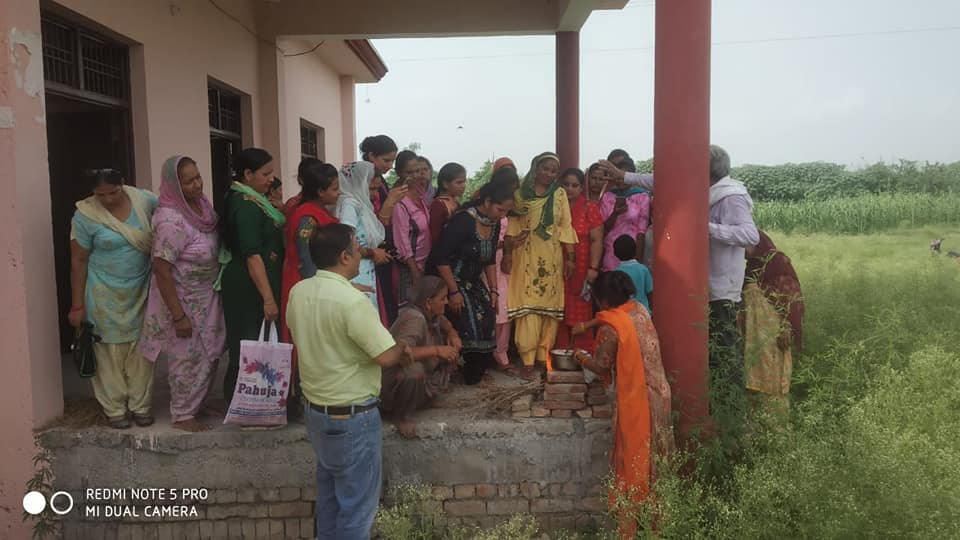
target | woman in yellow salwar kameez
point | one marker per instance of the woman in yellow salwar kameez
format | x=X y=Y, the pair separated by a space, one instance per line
x=539 y=254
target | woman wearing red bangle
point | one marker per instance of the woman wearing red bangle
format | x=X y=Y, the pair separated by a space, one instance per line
x=111 y=239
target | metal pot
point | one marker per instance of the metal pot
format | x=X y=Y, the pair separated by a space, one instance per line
x=563 y=360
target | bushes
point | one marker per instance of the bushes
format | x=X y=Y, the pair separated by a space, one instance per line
x=415 y=515
x=795 y=182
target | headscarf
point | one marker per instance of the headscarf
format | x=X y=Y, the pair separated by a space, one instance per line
x=141 y=239
x=355 y=181
x=171 y=196
x=260 y=200
x=502 y=162
x=778 y=281
x=528 y=192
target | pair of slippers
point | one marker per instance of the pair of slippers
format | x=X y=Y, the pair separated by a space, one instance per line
x=141 y=420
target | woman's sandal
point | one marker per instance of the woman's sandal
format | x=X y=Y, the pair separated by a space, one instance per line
x=143 y=420
x=528 y=373
x=119 y=423
x=509 y=369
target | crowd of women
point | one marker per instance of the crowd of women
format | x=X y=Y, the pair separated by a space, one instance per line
x=531 y=260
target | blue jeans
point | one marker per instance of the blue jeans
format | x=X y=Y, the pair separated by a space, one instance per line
x=348 y=472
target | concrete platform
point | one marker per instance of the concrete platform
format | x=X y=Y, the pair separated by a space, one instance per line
x=481 y=470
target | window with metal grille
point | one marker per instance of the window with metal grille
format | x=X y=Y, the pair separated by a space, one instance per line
x=82 y=60
x=311 y=140
x=59 y=53
x=224 y=111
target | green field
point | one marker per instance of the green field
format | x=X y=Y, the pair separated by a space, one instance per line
x=873 y=446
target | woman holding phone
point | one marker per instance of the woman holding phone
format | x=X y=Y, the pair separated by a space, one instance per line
x=625 y=211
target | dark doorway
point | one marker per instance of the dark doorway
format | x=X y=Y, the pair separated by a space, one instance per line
x=88 y=127
x=225 y=140
x=222 y=150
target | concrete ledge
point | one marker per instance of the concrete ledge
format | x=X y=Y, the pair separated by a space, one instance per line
x=480 y=472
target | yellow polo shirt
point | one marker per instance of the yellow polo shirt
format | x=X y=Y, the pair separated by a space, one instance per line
x=338 y=333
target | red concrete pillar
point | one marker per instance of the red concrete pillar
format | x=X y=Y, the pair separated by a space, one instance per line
x=682 y=163
x=568 y=99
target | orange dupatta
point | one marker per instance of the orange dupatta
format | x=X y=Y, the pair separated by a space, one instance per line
x=631 y=446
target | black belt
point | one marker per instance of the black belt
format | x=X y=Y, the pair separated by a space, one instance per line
x=341 y=410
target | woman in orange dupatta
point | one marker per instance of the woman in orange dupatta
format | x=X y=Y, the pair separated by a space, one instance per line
x=618 y=356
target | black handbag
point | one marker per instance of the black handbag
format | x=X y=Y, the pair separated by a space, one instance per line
x=82 y=349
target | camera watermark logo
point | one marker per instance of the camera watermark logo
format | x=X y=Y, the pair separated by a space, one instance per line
x=34 y=503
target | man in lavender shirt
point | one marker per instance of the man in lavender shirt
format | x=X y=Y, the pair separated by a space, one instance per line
x=731 y=230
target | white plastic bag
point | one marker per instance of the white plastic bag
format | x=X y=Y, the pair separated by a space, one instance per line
x=263 y=384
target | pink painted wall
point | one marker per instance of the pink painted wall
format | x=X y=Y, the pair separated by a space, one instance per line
x=312 y=92
x=33 y=393
x=178 y=45
x=175 y=48
x=348 y=92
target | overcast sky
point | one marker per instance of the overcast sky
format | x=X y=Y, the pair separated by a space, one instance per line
x=874 y=96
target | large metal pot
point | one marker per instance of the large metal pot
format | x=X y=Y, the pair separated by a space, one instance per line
x=563 y=360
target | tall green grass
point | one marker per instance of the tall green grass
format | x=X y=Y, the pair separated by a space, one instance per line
x=859 y=215
x=873 y=446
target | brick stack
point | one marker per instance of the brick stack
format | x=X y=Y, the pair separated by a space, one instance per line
x=567 y=393
x=564 y=392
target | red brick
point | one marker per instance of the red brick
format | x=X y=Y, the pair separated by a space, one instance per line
x=290 y=509
x=539 y=411
x=565 y=377
x=592 y=504
x=596 y=391
x=508 y=507
x=585 y=413
x=602 y=411
x=530 y=490
x=486 y=491
x=508 y=490
x=523 y=403
x=465 y=508
x=566 y=388
x=565 y=397
x=442 y=493
x=549 y=506
x=464 y=491
x=561 y=413
x=571 y=405
x=597 y=400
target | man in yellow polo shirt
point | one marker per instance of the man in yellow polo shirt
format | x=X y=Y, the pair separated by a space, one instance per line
x=341 y=346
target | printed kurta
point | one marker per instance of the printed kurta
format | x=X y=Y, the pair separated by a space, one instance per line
x=536 y=277
x=658 y=389
x=117 y=276
x=633 y=223
x=193 y=360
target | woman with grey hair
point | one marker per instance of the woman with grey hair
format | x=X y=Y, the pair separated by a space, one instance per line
x=435 y=346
